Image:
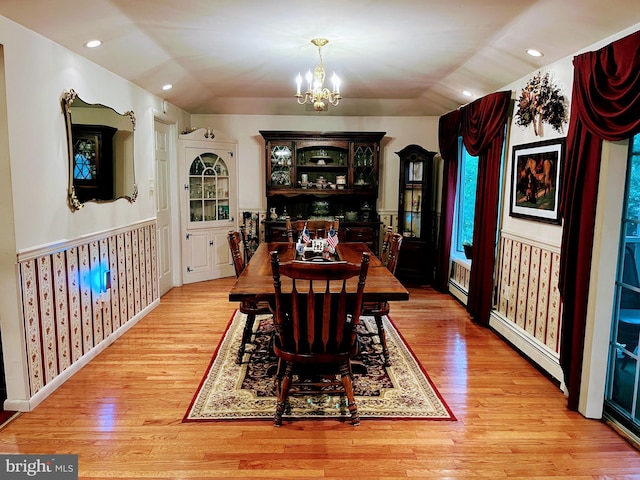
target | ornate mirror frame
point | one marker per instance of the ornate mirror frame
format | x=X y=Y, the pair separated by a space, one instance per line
x=73 y=200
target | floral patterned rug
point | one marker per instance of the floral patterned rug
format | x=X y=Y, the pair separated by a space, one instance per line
x=230 y=391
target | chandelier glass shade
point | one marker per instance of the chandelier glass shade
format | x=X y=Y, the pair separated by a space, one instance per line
x=317 y=94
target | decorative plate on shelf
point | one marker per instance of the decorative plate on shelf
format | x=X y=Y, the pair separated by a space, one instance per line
x=281 y=178
x=321 y=159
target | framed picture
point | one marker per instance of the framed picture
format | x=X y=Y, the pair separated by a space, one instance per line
x=535 y=180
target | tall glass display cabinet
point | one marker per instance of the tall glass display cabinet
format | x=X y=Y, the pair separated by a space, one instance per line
x=416 y=216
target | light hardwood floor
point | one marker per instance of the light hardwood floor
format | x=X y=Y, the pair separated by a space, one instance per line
x=122 y=413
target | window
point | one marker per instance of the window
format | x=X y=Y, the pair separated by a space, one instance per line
x=466 y=201
x=623 y=392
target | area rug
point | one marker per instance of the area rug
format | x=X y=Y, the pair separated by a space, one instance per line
x=230 y=391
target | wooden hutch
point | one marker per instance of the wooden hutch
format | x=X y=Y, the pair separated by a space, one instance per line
x=320 y=176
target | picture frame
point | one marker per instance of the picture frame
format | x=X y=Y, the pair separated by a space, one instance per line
x=535 y=180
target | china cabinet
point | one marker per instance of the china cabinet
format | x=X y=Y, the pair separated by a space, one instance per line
x=415 y=215
x=322 y=175
x=209 y=205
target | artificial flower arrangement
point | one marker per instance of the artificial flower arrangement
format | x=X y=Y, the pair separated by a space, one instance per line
x=541 y=101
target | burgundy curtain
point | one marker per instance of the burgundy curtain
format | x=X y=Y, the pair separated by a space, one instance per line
x=482 y=125
x=448 y=133
x=605 y=105
x=483 y=128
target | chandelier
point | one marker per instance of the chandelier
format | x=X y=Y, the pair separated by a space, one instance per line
x=316 y=93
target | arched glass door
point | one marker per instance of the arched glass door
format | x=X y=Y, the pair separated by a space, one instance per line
x=208 y=189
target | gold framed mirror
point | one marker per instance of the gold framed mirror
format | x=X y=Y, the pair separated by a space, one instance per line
x=100 y=144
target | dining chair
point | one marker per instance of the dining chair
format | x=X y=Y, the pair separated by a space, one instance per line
x=248 y=244
x=317 y=228
x=250 y=307
x=379 y=309
x=386 y=243
x=315 y=329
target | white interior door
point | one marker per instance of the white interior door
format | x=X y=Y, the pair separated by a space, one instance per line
x=210 y=200
x=163 y=206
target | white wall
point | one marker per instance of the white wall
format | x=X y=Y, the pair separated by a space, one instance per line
x=37 y=72
x=34 y=159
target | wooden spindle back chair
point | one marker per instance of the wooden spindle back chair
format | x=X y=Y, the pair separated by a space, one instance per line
x=380 y=309
x=250 y=307
x=386 y=243
x=234 y=239
x=394 y=251
x=248 y=252
x=315 y=325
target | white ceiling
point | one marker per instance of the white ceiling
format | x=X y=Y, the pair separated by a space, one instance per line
x=400 y=57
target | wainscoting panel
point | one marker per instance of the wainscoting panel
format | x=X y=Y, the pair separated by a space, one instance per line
x=459 y=279
x=75 y=296
x=527 y=293
x=72 y=295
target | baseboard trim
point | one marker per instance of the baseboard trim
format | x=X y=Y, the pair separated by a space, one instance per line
x=530 y=347
x=458 y=292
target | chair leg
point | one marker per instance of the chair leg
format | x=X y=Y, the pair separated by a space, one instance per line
x=277 y=378
x=282 y=389
x=383 y=340
x=347 y=383
x=246 y=336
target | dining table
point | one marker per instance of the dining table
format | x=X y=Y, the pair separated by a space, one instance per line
x=256 y=280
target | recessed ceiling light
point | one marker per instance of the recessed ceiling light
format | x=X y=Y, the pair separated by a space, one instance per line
x=93 y=43
x=168 y=86
x=467 y=93
x=534 y=53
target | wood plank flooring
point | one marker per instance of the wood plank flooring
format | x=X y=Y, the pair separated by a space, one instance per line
x=122 y=413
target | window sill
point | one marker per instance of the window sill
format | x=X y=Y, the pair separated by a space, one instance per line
x=460 y=259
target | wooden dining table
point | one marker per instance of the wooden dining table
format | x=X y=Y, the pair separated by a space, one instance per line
x=256 y=280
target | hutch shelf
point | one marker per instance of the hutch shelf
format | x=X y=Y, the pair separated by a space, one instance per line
x=321 y=176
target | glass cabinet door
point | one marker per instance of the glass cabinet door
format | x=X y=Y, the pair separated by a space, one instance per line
x=208 y=189
x=281 y=165
x=364 y=173
x=411 y=220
